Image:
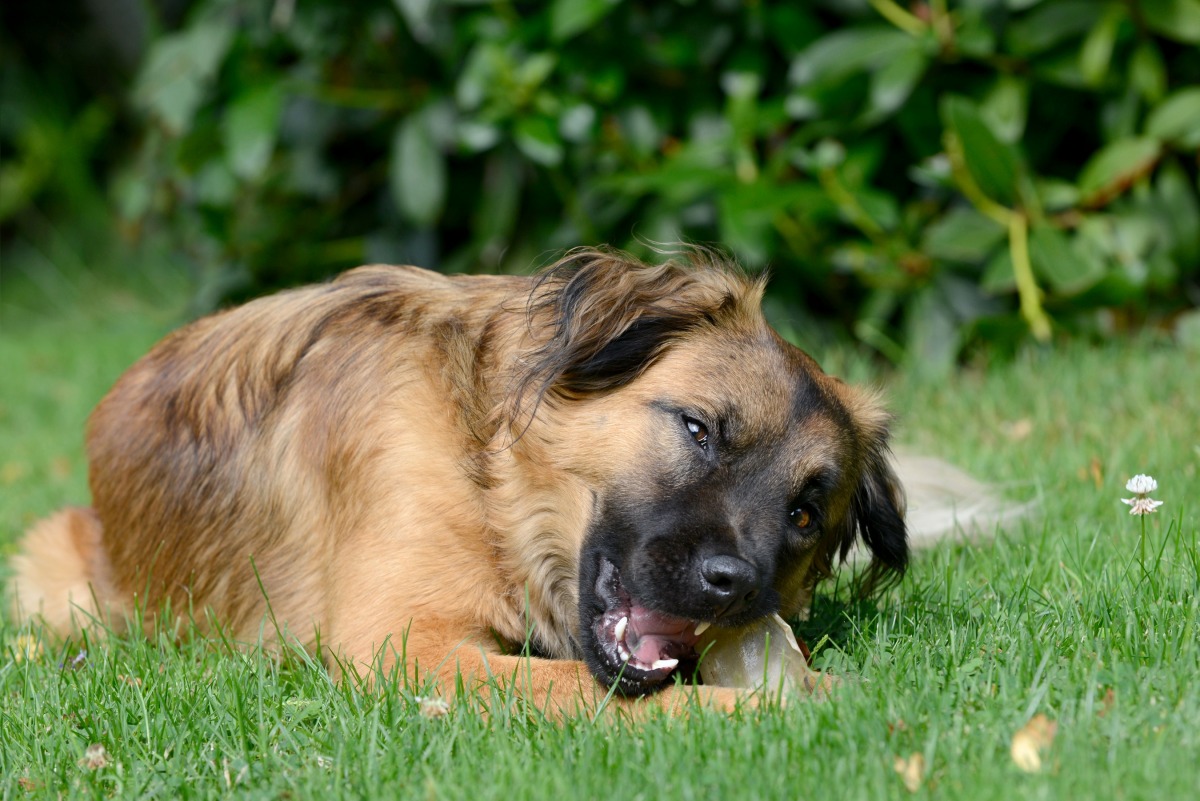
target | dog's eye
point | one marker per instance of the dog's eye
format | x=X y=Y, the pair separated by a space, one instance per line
x=802 y=518
x=698 y=431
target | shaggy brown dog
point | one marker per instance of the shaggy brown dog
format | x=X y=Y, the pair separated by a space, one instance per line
x=587 y=464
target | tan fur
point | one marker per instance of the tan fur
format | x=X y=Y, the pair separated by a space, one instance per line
x=397 y=458
x=61 y=574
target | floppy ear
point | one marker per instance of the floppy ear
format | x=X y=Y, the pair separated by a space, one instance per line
x=877 y=513
x=599 y=318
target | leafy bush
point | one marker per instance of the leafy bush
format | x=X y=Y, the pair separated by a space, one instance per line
x=928 y=175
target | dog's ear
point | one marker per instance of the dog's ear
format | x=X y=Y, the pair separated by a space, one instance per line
x=877 y=513
x=599 y=318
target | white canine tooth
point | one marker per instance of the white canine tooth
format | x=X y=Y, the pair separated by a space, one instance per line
x=702 y=627
x=619 y=631
x=664 y=664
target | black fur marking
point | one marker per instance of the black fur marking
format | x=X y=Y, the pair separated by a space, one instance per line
x=626 y=357
x=602 y=317
x=877 y=509
x=386 y=308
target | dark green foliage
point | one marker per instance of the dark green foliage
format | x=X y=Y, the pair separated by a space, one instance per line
x=927 y=175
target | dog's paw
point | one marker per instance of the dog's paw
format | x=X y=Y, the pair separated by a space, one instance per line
x=821 y=685
x=682 y=699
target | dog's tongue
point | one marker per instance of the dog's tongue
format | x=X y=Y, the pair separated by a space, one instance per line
x=654 y=635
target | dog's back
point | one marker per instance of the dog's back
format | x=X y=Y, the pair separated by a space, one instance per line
x=201 y=438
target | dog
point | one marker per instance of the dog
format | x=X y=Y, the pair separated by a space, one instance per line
x=550 y=482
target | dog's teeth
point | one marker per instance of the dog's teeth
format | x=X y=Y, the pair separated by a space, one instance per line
x=619 y=631
x=702 y=627
x=624 y=654
x=664 y=664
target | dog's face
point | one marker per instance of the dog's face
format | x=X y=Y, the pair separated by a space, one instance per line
x=727 y=471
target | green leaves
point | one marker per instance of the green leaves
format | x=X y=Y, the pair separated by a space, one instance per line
x=417 y=172
x=1177 y=206
x=1066 y=270
x=836 y=55
x=537 y=138
x=1177 y=119
x=918 y=175
x=892 y=84
x=1148 y=72
x=250 y=128
x=893 y=61
x=932 y=334
x=571 y=17
x=1005 y=108
x=417 y=14
x=993 y=164
x=1049 y=24
x=962 y=235
x=1115 y=168
x=1174 y=19
x=1096 y=53
x=178 y=71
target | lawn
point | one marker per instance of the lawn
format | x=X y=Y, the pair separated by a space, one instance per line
x=1060 y=616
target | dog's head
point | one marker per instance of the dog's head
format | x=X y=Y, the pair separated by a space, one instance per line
x=727 y=472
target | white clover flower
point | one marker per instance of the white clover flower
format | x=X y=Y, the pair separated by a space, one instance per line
x=432 y=708
x=1141 y=484
x=1142 y=506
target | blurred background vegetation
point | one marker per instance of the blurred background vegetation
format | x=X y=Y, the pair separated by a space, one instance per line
x=940 y=180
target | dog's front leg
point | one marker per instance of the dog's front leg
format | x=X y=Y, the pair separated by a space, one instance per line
x=557 y=687
x=565 y=688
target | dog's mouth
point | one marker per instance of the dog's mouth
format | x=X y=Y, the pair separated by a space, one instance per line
x=641 y=647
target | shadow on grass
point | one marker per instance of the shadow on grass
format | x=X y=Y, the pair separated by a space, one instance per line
x=842 y=620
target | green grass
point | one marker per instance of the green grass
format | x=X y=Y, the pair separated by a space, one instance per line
x=1059 y=616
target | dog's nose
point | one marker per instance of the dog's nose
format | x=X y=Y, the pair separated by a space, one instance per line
x=731 y=583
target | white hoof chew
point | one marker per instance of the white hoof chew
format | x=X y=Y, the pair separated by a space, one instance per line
x=763 y=655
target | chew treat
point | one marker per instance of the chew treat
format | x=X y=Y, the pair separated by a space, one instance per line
x=763 y=655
